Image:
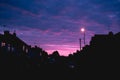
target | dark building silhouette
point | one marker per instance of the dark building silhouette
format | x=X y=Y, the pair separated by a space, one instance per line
x=102 y=39
x=100 y=59
x=10 y=42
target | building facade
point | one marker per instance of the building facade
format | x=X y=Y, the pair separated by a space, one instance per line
x=10 y=42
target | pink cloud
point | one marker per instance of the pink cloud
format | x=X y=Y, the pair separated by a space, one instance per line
x=22 y=11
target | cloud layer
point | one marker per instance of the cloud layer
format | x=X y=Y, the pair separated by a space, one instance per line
x=55 y=24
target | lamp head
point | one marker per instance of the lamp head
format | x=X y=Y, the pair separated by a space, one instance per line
x=82 y=29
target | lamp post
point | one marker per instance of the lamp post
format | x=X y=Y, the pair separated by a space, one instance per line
x=80 y=43
x=83 y=31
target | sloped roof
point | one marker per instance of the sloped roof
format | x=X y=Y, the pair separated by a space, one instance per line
x=12 y=38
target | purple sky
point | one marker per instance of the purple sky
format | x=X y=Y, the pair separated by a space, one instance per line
x=55 y=24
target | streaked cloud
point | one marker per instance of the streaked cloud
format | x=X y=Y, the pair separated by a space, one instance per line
x=58 y=22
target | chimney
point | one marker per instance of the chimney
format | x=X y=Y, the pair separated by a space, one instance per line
x=6 y=32
x=14 y=33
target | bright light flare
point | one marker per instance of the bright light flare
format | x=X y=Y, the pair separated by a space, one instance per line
x=82 y=29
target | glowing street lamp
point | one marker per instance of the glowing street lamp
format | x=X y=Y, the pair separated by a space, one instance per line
x=83 y=31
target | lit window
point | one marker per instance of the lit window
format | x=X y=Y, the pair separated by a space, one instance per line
x=40 y=54
x=12 y=49
x=3 y=44
x=23 y=48
x=8 y=47
x=26 y=50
